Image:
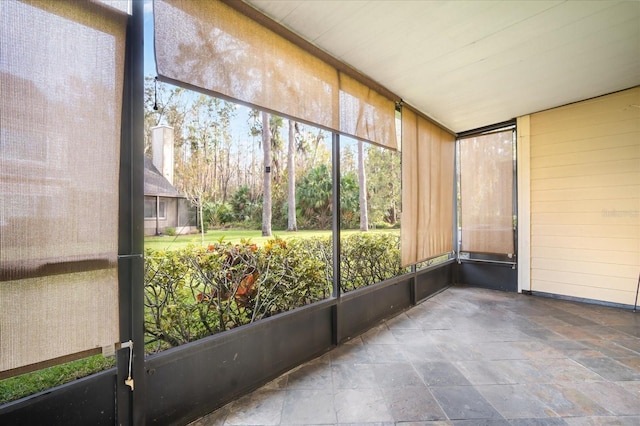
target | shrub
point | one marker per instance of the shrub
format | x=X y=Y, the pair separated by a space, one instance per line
x=368 y=258
x=194 y=292
x=245 y=207
x=170 y=232
x=223 y=213
x=198 y=291
x=168 y=307
x=209 y=209
x=385 y=225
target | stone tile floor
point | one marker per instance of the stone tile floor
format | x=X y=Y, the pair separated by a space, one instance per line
x=466 y=356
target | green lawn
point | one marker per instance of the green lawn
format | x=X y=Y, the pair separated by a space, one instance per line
x=235 y=235
x=27 y=384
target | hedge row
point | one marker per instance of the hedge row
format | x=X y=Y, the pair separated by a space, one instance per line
x=198 y=291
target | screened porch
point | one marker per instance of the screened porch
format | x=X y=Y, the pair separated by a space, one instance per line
x=514 y=134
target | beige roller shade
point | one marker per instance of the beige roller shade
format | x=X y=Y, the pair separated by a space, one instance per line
x=366 y=114
x=427 y=189
x=486 y=193
x=61 y=79
x=211 y=46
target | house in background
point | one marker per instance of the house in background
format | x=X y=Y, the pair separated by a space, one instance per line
x=164 y=207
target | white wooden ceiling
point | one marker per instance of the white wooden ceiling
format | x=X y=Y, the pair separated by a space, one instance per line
x=468 y=64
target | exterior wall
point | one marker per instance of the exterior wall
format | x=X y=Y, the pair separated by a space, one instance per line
x=585 y=198
x=169 y=221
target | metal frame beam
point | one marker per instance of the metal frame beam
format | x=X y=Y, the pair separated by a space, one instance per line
x=130 y=403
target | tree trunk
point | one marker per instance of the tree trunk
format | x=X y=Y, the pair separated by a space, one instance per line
x=254 y=184
x=225 y=187
x=362 y=183
x=291 y=170
x=200 y=202
x=266 y=192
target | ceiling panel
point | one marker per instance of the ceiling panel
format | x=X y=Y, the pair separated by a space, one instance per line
x=468 y=64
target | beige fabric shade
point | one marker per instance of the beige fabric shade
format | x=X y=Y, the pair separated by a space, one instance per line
x=61 y=79
x=211 y=46
x=486 y=193
x=366 y=114
x=428 y=153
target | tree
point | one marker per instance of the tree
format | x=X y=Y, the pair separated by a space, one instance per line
x=255 y=130
x=362 y=184
x=277 y=143
x=266 y=183
x=314 y=197
x=317 y=139
x=383 y=184
x=347 y=158
x=195 y=178
x=164 y=105
x=349 y=200
x=224 y=111
x=292 y=224
x=244 y=207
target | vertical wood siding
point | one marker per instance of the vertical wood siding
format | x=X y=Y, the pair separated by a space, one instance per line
x=585 y=198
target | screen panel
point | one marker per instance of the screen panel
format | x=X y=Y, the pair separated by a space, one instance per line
x=486 y=193
x=60 y=115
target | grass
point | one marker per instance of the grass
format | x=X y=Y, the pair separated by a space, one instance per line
x=37 y=381
x=236 y=235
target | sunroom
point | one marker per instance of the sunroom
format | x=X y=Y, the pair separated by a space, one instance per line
x=517 y=126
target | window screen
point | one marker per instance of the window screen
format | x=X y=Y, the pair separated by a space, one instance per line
x=486 y=193
x=61 y=79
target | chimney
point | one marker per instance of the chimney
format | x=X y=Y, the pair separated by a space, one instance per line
x=162 y=149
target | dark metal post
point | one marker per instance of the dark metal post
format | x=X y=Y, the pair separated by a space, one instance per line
x=335 y=220
x=413 y=289
x=335 y=177
x=130 y=404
